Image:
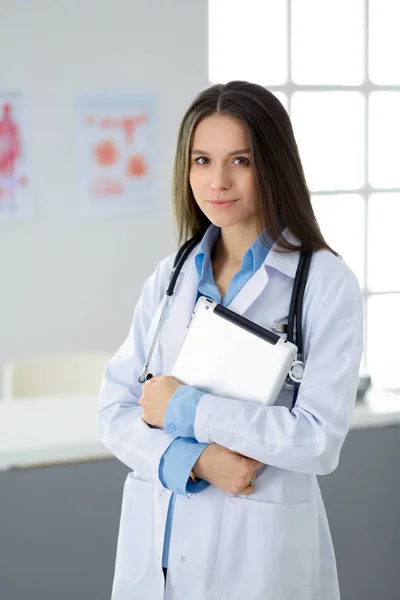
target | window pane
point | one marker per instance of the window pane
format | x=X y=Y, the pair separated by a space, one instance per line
x=341 y=219
x=248 y=41
x=329 y=128
x=384 y=134
x=384 y=41
x=317 y=57
x=383 y=327
x=383 y=242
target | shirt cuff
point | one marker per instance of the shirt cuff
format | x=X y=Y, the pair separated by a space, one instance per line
x=181 y=411
x=177 y=462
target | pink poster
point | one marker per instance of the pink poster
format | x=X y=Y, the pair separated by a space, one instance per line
x=15 y=185
x=116 y=152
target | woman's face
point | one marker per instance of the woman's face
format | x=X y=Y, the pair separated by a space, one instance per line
x=221 y=170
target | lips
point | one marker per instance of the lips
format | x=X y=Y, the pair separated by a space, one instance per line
x=216 y=201
x=221 y=203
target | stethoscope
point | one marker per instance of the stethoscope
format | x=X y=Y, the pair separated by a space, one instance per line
x=296 y=371
x=179 y=261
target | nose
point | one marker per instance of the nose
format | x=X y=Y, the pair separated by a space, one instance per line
x=220 y=178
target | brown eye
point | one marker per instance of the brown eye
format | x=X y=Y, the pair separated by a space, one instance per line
x=196 y=160
x=242 y=158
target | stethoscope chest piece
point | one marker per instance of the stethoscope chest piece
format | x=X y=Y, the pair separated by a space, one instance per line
x=296 y=371
x=295 y=375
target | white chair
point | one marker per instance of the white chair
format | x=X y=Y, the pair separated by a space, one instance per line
x=62 y=374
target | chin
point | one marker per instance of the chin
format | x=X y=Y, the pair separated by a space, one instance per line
x=225 y=220
x=227 y=224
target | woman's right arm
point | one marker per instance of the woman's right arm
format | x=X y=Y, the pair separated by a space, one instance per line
x=119 y=421
x=122 y=430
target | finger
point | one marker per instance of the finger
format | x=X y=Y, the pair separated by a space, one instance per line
x=248 y=486
x=255 y=465
x=247 y=490
x=254 y=475
x=149 y=382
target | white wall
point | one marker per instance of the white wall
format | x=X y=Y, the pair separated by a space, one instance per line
x=68 y=282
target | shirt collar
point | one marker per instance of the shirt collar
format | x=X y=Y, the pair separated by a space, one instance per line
x=206 y=245
x=253 y=259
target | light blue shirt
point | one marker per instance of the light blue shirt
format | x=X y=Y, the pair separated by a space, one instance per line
x=183 y=453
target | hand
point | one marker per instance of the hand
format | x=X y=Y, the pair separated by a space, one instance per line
x=156 y=393
x=226 y=469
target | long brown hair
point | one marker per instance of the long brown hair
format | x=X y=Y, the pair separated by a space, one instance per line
x=282 y=192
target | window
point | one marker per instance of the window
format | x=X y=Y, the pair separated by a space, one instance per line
x=334 y=65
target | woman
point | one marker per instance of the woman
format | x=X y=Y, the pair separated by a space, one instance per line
x=223 y=500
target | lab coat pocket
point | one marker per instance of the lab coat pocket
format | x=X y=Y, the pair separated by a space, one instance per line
x=266 y=551
x=135 y=530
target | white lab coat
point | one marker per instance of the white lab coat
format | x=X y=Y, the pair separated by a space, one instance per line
x=274 y=544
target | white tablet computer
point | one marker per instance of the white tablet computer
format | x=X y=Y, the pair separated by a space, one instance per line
x=225 y=354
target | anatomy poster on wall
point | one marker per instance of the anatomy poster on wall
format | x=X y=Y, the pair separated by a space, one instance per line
x=116 y=152
x=15 y=184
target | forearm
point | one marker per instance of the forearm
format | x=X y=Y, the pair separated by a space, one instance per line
x=131 y=440
x=177 y=463
x=308 y=438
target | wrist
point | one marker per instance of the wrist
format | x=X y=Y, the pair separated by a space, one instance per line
x=200 y=466
x=193 y=477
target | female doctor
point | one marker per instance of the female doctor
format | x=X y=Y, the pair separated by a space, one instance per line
x=223 y=500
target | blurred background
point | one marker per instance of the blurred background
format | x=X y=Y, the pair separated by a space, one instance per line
x=76 y=246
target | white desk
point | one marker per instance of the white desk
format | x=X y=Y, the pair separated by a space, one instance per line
x=38 y=431
x=379 y=409
x=35 y=431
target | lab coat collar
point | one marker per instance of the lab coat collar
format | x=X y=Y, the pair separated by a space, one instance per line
x=285 y=262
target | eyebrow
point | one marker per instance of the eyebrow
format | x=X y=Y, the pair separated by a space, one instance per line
x=243 y=151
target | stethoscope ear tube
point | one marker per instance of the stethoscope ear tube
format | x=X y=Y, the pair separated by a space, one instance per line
x=293 y=301
x=143 y=375
x=299 y=301
x=296 y=371
x=179 y=261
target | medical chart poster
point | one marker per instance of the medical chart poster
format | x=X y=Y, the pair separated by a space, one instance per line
x=15 y=182
x=116 y=158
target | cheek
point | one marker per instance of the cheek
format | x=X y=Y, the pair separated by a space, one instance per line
x=250 y=193
x=248 y=185
x=196 y=183
x=193 y=178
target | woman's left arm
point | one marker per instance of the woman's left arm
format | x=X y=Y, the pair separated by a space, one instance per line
x=309 y=437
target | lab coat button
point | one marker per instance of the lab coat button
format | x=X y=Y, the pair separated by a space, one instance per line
x=183 y=558
x=162 y=493
x=190 y=495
